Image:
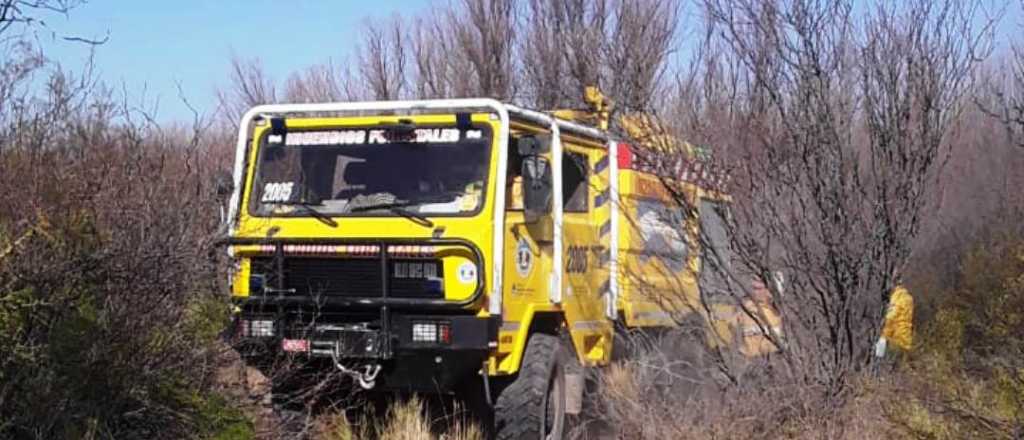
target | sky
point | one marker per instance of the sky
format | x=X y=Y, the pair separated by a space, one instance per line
x=153 y=44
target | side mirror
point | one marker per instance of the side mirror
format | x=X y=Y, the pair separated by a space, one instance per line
x=276 y=138
x=223 y=184
x=536 y=187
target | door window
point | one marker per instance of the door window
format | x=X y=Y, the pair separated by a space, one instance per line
x=574 y=182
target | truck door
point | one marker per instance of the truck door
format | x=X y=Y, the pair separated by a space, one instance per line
x=584 y=271
x=530 y=257
x=527 y=263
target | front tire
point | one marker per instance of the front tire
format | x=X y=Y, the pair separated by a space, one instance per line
x=533 y=406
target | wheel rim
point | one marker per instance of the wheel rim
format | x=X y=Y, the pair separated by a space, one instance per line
x=554 y=409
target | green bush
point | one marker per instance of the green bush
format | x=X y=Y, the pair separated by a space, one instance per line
x=967 y=376
x=79 y=361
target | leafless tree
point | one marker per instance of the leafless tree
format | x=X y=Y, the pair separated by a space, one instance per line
x=435 y=66
x=842 y=126
x=555 y=35
x=249 y=85
x=543 y=65
x=1011 y=94
x=585 y=36
x=485 y=32
x=27 y=12
x=641 y=41
x=539 y=53
x=383 y=58
x=622 y=46
x=318 y=83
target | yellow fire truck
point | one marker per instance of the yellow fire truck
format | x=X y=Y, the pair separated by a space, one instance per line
x=445 y=245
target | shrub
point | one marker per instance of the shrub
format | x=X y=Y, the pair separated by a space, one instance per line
x=967 y=379
x=110 y=301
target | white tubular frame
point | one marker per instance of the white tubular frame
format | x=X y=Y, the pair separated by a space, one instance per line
x=555 y=294
x=439 y=105
x=613 y=244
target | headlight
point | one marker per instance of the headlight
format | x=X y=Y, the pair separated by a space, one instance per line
x=437 y=332
x=256 y=328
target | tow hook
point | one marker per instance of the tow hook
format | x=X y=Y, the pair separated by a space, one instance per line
x=366 y=378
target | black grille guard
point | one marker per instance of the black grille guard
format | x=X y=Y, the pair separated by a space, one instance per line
x=384 y=299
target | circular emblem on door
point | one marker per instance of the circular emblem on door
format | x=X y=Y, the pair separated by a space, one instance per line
x=524 y=258
x=467 y=273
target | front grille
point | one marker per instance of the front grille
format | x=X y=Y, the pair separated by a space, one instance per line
x=333 y=277
x=354 y=277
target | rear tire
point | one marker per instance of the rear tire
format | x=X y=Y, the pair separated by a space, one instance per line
x=533 y=407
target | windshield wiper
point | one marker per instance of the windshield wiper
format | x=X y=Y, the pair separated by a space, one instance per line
x=309 y=208
x=398 y=208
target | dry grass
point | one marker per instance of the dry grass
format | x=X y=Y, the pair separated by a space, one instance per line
x=964 y=379
x=643 y=398
x=404 y=420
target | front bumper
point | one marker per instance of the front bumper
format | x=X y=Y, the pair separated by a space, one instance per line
x=387 y=339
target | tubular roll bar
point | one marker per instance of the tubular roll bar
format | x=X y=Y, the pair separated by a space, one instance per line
x=401 y=108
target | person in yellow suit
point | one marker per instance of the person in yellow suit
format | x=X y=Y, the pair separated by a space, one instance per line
x=898 y=327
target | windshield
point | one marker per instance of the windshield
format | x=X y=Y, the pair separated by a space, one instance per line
x=368 y=171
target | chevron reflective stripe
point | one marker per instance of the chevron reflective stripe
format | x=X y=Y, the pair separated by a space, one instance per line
x=601 y=199
x=601 y=164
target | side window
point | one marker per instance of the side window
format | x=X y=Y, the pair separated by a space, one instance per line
x=575 y=182
x=716 y=254
x=514 y=179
